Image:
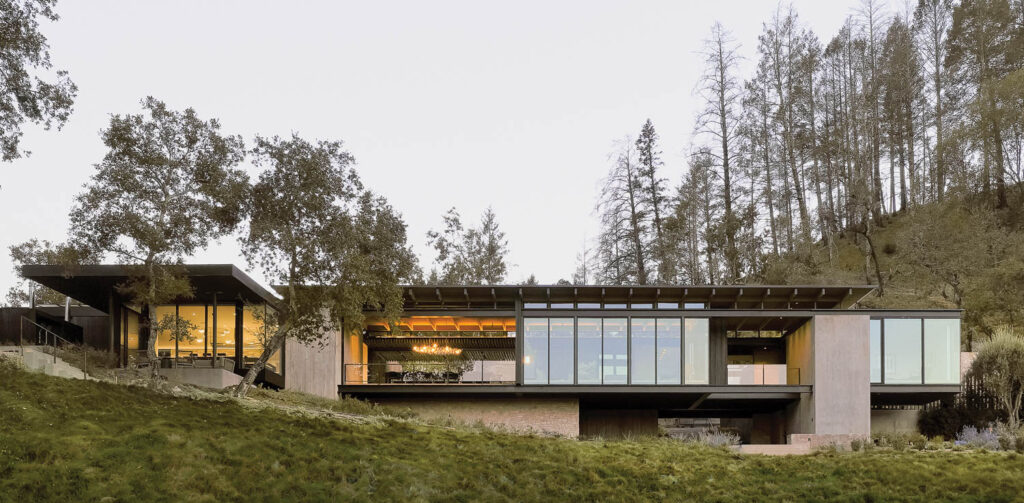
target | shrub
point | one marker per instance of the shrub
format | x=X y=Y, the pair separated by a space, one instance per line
x=999 y=367
x=978 y=439
x=714 y=437
x=857 y=445
x=889 y=248
x=918 y=441
x=949 y=419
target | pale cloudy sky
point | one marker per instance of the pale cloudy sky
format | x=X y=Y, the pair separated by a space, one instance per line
x=513 y=105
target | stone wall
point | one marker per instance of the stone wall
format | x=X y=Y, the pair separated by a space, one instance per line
x=560 y=416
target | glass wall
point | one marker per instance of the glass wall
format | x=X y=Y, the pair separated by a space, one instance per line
x=616 y=351
x=561 y=360
x=594 y=351
x=696 y=351
x=535 y=350
x=225 y=330
x=876 y=351
x=642 y=351
x=669 y=356
x=255 y=336
x=194 y=342
x=915 y=351
x=902 y=351
x=941 y=351
x=588 y=341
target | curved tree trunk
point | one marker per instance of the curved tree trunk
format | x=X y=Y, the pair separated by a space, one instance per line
x=242 y=388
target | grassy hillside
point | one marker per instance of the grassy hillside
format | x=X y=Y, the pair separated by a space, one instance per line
x=63 y=440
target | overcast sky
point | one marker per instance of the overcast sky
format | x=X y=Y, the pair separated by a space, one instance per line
x=513 y=105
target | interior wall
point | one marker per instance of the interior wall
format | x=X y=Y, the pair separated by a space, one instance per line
x=356 y=356
x=799 y=417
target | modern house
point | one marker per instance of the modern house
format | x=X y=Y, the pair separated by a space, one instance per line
x=779 y=363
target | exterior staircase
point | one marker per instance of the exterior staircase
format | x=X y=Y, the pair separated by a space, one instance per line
x=35 y=358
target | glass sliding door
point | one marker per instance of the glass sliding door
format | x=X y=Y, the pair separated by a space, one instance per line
x=588 y=341
x=615 y=351
x=535 y=351
x=941 y=351
x=696 y=351
x=668 y=351
x=561 y=366
x=642 y=351
x=902 y=351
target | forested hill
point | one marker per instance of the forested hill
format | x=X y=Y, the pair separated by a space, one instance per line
x=960 y=253
x=888 y=152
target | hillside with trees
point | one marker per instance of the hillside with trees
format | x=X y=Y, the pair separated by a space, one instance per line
x=888 y=153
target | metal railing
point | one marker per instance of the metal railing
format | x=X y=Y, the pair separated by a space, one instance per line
x=763 y=374
x=455 y=372
x=48 y=339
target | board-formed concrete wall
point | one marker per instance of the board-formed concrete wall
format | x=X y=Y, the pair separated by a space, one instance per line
x=842 y=375
x=894 y=421
x=312 y=369
x=560 y=416
x=832 y=353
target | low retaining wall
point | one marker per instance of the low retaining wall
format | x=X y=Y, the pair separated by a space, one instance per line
x=894 y=421
x=560 y=416
x=207 y=378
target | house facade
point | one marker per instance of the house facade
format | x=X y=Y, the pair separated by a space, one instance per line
x=780 y=364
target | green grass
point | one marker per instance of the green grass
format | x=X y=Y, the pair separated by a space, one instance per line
x=65 y=440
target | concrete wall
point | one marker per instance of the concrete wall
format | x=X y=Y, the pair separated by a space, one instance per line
x=842 y=378
x=207 y=378
x=832 y=353
x=894 y=421
x=560 y=416
x=313 y=369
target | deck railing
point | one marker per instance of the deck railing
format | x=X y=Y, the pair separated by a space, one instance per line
x=457 y=372
x=759 y=374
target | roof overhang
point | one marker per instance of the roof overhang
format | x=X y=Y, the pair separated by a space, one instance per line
x=93 y=284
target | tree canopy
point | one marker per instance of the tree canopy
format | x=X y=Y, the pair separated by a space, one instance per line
x=332 y=246
x=30 y=91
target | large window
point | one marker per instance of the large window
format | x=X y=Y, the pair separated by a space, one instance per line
x=941 y=351
x=535 y=351
x=902 y=351
x=696 y=351
x=588 y=341
x=194 y=342
x=594 y=351
x=256 y=335
x=642 y=351
x=876 y=350
x=669 y=356
x=616 y=351
x=225 y=330
x=561 y=350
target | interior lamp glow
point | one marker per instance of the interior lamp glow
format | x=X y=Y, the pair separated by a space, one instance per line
x=434 y=349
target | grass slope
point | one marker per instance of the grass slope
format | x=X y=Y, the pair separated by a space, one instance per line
x=64 y=440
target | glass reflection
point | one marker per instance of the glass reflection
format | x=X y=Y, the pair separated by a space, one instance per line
x=642 y=338
x=616 y=359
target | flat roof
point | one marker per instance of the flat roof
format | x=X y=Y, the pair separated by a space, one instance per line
x=91 y=284
x=712 y=296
